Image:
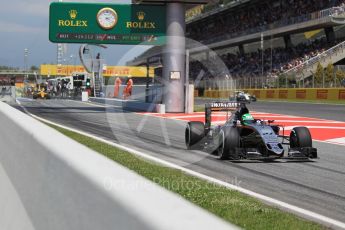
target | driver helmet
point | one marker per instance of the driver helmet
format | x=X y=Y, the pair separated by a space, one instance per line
x=247 y=119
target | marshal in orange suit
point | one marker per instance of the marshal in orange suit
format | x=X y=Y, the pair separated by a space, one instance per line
x=118 y=82
x=127 y=92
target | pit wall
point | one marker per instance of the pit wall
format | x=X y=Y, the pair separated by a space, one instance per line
x=284 y=94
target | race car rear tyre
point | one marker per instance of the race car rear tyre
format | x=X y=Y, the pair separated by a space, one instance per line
x=300 y=137
x=195 y=132
x=229 y=140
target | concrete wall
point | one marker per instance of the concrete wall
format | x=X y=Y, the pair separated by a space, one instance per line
x=137 y=101
x=48 y=181
x=138 y=92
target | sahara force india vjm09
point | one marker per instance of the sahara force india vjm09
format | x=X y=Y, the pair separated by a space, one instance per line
x=243 y=137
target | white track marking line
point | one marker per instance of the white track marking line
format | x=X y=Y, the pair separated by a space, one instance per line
x=333 y=143
x=284 y=205
x=340 y=140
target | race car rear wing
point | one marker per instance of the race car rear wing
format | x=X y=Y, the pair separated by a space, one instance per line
x=223 y=106
x=219 y=106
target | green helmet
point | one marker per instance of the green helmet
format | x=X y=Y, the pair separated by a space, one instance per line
x=247 y=119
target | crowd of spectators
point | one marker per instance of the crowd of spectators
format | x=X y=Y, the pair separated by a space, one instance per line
x=250 y=64
x=255 y=17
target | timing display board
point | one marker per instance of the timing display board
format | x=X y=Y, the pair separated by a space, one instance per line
x=107 y=23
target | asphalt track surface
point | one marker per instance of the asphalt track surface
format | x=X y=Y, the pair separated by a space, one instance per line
x=318 y=186
x=324 y=111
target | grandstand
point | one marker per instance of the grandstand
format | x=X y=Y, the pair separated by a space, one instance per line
x=263 y=39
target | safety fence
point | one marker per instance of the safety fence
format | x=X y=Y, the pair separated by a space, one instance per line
x=317 y=94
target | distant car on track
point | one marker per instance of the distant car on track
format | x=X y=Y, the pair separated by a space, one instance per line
x=41 y=92
x=243 y=137
x=241 y=96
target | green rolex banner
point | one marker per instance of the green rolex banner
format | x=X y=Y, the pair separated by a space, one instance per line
x=107 y=23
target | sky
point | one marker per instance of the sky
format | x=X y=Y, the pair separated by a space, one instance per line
x=24 y=24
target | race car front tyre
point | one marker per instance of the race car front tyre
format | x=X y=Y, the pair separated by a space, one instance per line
x=195 y=132
x=229 y=140
x=300 y=137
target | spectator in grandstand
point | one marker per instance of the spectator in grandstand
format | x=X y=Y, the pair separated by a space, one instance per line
x=262 y=15
x=250 y=64
x=343 y=83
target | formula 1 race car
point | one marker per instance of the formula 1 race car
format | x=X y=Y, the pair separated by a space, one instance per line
x=241 y=96
x=41 y=92
x=243 y=137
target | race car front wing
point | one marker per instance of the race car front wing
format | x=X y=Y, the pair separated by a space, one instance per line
x=304 y=153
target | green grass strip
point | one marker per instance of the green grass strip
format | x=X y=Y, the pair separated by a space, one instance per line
x=232 y=206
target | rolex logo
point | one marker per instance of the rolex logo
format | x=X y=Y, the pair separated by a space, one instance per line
x=71 y=22
x=141 y=24
x=141 y=15
x=73 y=14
